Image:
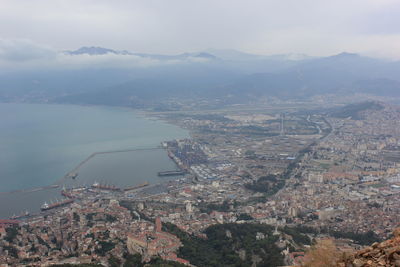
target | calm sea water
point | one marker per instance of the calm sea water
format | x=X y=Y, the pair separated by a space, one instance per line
x=39 y=144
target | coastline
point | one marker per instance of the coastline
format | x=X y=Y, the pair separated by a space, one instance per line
x=52 y=189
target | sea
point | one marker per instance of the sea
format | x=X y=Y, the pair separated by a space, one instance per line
x=41 y=143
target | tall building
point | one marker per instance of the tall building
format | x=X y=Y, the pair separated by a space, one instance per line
x=158 y=224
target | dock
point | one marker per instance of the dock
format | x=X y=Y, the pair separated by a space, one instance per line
x=171 y=173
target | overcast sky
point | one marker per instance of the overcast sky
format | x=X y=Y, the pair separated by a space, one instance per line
x=313 y=27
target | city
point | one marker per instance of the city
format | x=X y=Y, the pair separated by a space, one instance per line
x=323 y=175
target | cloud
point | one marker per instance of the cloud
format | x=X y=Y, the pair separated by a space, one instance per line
x=24 y=50
x=106 y=61
x=177 y=26
x=26 y=55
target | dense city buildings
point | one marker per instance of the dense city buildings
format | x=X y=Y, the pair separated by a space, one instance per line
x=325 y=174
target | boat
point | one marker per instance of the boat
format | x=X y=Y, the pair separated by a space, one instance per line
x=22 y=215
x=72 y=175
x=136 y=186
x=46 y=206
x=66 y=194
x=105 y=187
x=171 y=173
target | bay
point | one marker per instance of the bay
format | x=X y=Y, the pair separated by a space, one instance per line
x=40 y=143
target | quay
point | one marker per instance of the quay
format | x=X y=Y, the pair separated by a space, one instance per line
x=171 y=173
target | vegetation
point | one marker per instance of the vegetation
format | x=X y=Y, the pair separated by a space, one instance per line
x=76 y=217
x=269 y=185
x=104 y=247
x=229 y=245
x=158 y=262
x=244 y=217
x=11 y=234
x=297 y=236
x=136 y=260
x=223 y=207
x=114 y=261
x=354 y=110
x=133 y=260
x=110 y=218
x=360 y=238
x=78 y=265
x=12 y=251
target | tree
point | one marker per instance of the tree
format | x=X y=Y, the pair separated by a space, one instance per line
x=323 y=253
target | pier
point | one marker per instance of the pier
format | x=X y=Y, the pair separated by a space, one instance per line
x=74 y=173
x=171 y=173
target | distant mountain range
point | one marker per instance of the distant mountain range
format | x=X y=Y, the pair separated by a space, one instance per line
x=227 y=76
x=96 y=51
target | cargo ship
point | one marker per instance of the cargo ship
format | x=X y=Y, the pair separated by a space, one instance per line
x=21 y=216
x=171 y=173
x=46 y=206
x=66 y=194
x=136 y=186
x=73 y=175
x=105 y=187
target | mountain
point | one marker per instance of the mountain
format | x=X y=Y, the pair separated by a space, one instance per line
x=223 y=77
x=157 y=86
x=92 y=51
x=342 y=74
x=234 y=55
x=95 y=51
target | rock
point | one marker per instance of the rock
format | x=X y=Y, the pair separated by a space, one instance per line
x=381 y=258
x=382 y=263
x=366 y=254
x=358 y=263
x=396 y=256
x=396 y=232
x=386 y=253
x=375 y=245
x=392 y=250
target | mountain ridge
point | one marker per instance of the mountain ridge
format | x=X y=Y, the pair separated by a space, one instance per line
x=202 y=75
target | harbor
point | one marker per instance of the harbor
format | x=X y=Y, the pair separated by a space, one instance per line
x=118 y=171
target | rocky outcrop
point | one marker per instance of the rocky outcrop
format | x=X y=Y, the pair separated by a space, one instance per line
x=386 y=253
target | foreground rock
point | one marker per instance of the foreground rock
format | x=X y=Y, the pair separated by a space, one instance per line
x=386 y=253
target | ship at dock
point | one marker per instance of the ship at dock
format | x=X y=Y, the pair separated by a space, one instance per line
x=72 y=175
x=136 y=186
x=171 y=173
x=62 y=203
x=105 y=187
x=21 y=216
x=67 y=194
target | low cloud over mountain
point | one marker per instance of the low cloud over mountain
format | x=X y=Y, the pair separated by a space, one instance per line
x=96 y=75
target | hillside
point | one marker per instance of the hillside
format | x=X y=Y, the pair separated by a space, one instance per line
x=355 y=111
x=326 y=253
x=386 y=253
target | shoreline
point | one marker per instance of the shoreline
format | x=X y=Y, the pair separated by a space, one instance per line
x=54 y=186
x=57 y=183
x=138 y=112
x=52 y=192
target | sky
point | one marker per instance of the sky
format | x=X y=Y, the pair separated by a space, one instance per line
x=312 y=27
